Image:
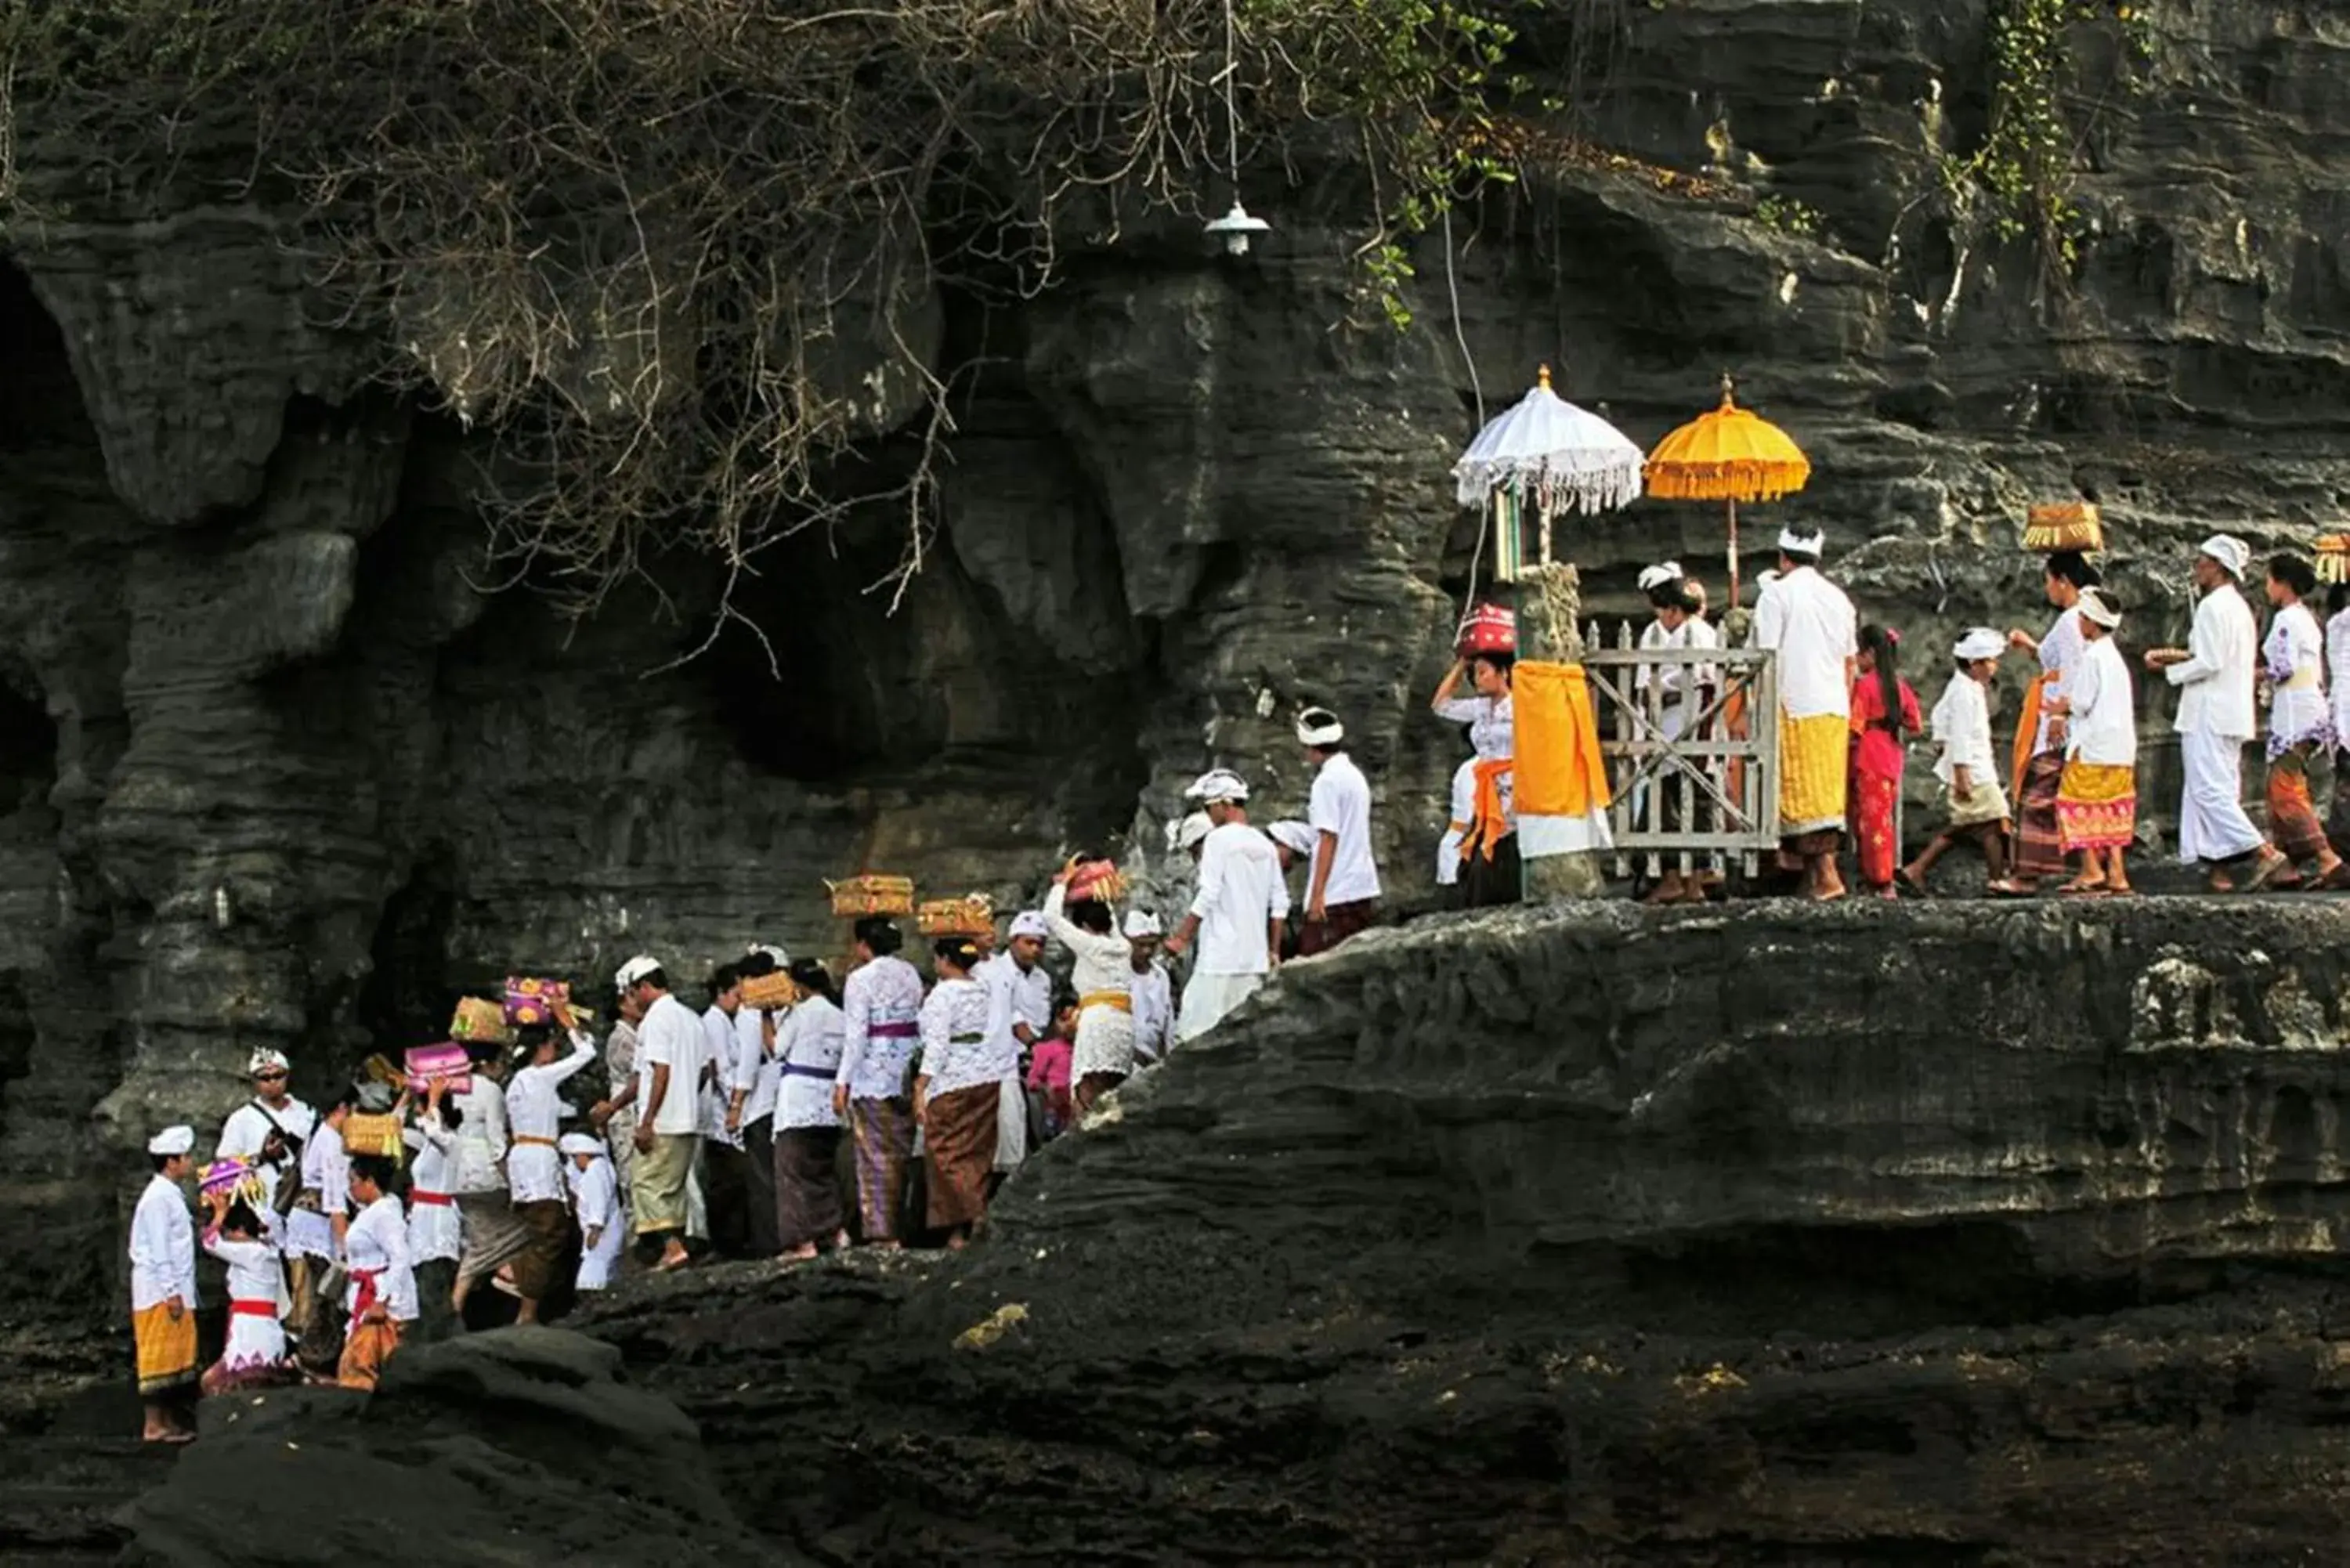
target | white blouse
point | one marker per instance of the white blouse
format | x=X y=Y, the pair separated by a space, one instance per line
x=2294 y=657
x=807 y=1045
x=961 y=1048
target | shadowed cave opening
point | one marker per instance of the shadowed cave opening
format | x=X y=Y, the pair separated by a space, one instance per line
x=41 y=405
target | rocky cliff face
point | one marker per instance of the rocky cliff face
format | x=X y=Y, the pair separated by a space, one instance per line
x=283 y=774
x=1587 y=1235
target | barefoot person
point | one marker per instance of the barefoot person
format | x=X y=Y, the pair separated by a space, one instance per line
x=2301 y=723
x=668 y=1107
x=1809 y=623
x=254 y=1355
x=1102 y=1049
x=1342 y=887
x=163 y=1289
x=1884 y=717
x=381 y=1298
x=2096 y=805
x=808 y=1129
x=966 y=1055
x=881 y=1007
x=1237 y=909
x=2040 y=739
x=534 y=1158
x=1971 y=795
x=2214 y=674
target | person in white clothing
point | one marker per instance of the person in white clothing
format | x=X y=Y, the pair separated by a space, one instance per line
x=881 y=1004
x=2338 y=686
x=1152 y=992
x=534 y=1165
x=380 y=1299
x=487 y=1229
x=254 y=1355
x=2039 y=849
x=269 y=1132
x=2096 y=801
x=1024 y=989
x=435 y=1233
x=163 y=1289
x=666 y=1097
x=966 y=1054
x=2215 y=674
x=757 y=1078
x=321 y=1211
x=1971 y=794
x=1809 y=623
x=725 y=1167
x=1102 y=1052
x=595 y=1197
x=2301 y=720
x=1342 y=890
x=808 y=1129
x=1680 y=691
x=1456 y=825
x=1237 y=909
x=1491 y=871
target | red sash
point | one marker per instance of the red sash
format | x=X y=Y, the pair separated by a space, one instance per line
x=364 y=1303
x=252 y=1309
x=430 y=1200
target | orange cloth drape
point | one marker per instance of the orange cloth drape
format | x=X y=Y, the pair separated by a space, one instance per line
x=1561 y=771
x=1488 y=825
x=2027 y=731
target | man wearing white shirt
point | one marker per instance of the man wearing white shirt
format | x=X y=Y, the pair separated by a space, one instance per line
x=1237 y=910
x=668 y=1071
x=1807 y=621
x=725 y=1181
x=758 y=1078
x=1342 y=890
x=164 y=1288
x=2214 y=674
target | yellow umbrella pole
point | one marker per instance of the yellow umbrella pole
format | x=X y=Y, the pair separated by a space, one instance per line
x=1734 y=553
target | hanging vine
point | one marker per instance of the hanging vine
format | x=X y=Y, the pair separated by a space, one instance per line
x=678 y=258
x=2021 y=178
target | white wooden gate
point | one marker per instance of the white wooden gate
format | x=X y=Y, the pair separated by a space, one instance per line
x=1704 y=796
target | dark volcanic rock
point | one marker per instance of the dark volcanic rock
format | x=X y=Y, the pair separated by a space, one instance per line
x=516 y=1445
x=1599 y=1237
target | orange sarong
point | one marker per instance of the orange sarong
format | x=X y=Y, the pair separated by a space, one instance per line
x=167 y=1349
x=2027 y=731
x=1562 y=777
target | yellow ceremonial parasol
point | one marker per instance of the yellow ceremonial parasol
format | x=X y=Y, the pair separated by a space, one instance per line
x=1729 y=454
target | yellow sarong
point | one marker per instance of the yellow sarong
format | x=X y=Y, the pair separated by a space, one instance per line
x=1812 y=767
x=1562 y=775
x=167 y=1350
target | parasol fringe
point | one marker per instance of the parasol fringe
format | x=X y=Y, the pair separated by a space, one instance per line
x=1602 y=486
x=1739 y=480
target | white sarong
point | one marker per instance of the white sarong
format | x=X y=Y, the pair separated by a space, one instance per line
x=1207 y=998
x=2212 y=824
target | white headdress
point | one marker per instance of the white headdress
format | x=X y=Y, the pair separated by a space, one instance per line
x=265 y=1060
x=1141 y=923
x=1218 y=783
x=1660 y=573
x=2230 y=552
x=1029 y=923
x=1980 y=642
x=1795 y=541
x=635 y=969
x=172 y=1140
x=1319 y=727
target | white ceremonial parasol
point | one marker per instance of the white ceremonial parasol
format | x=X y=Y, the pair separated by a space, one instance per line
x=1548 y=450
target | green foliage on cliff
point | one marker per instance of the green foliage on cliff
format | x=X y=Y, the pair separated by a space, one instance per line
x=2021 y=176
x=680 y=255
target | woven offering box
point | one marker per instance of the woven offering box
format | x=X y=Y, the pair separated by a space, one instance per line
x=365 y=1134
x=530 y=1002
x=1489 y=628
x=447 y=1062
x=1099 y=879
x=2333 y=558
x=234 y=1175
x=479 y=1019
x=2065 y=525
x=770 y=992
x=973 y=915
x=872 y=895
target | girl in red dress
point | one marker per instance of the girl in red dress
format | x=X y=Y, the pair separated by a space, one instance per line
x=1883 y=716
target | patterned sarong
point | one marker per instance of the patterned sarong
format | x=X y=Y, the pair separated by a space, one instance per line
x=959 y=1128
x=2097 y=807
x=1091 y=1087
x=883 y=1134
x=2293 y=815
x=365 y=1350
x=547 y=1227
x=1872 y=826
x=2039 y=844
x=807 y=1186
x=167 y=1350
x=1813 y=760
